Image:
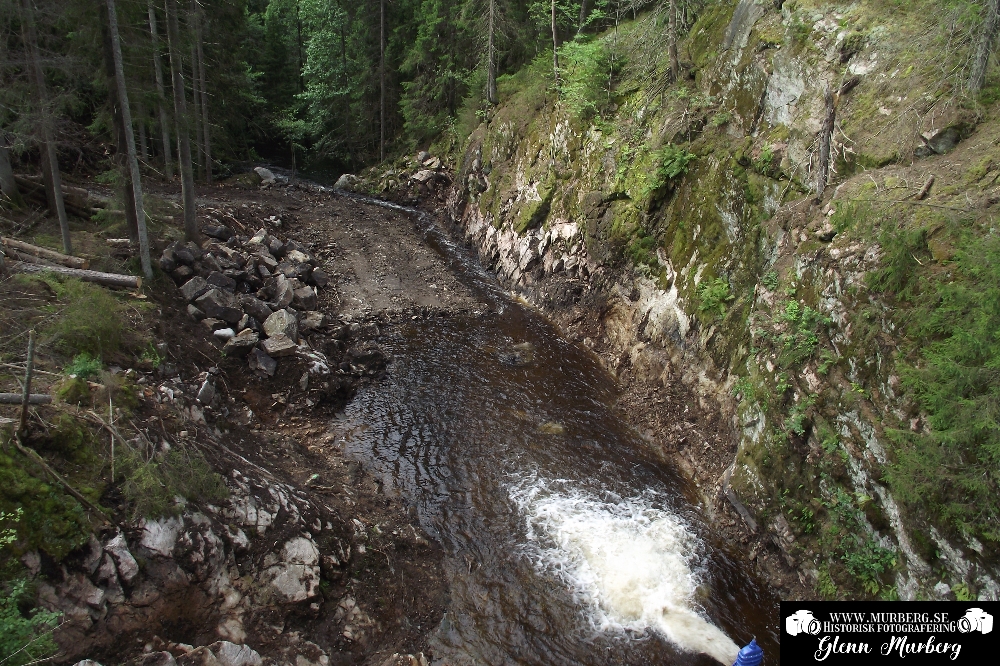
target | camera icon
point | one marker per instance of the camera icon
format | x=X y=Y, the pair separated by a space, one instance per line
x=976 y=619
x=803 y=622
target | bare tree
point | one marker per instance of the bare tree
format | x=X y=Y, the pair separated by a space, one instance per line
x=984 y=49
x=381 y=76
x=491 y=64
x=555 y=45
x=133 y=161
x=181 y=119
x=206 y=133
x=50 y=159
x=7 y=184
x=825 y=137
x=675 y=67
x=161 y=95
x=196 y=106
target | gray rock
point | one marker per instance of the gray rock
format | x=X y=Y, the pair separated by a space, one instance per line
x=242 y=344
x=159 y=659
x=128 y=568
x=182 y=274
x=221 y=231
x=319 y=278
x=259 y=360
x=282 y=322
x=279 y=346
x=87 y=662
x=312 y=320
x=195 y=313
x=299 y=257
x=259 y=238
x=266 y=175
x=230 y=654
x=346 y=182
x=276 y=247
x=284 y=292
x=185 y=255
x=168 y=260
x=304 y=298
x=423 y=156
x=221 y=280
x=219 y=304
x=224 y=333
x=206 y=394
x=255 y=307
x=248 y=322
x=194 y=288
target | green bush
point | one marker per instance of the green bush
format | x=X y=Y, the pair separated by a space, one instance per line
x=91 y=320
x=799 y=342
x=151 y=486
x=84 y=366
x=584 y=66
x=953 y=472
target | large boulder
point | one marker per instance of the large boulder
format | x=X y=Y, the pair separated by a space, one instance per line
x=279 y=346
x=347 y=182
x=266 y=175
x=195 y=287
x=242 y=344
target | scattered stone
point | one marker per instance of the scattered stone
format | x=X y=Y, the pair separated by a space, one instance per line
x=255 y=307
x=298 y=257
x=221 y=231
x=220 y=305
x=312 y=320
x=195 y=313
x=282 y=322
x=279 y=346
x=224 y=333
x=242 y=344
x=222 y=281
x=206 y=394
x=168 y=260
x=304 y=298
x=319 y=278
x=248 y=322
x=259 y=360
x=182 y=274
x=195 y=287
x=275 y=247
x=159 y=659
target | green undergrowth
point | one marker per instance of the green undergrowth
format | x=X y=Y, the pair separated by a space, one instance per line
x=25 y=632
x=951 y=474
x=153 y=484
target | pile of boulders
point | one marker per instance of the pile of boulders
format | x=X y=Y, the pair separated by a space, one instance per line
x=256 y=295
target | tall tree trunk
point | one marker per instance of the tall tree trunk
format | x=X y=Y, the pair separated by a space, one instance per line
x=196 y=112
x=491 y=65
x=206 y=130
x=141 y=124
x=7 y=184
x=381 y=76
x=181 y=117
x=984 y=49
x=121 y=141
x=50 y=160
x=298 y=41
x=584 y=10
x=555 y=45
x=161 y=95
x=675 y=66
x=343 y=81
x=133 y=161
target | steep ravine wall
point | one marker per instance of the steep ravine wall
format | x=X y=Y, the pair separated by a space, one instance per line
x=732 y=279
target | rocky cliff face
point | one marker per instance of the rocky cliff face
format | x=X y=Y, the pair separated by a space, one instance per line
x=690 y=218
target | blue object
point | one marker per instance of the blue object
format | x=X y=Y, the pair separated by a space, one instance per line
x=750 y=655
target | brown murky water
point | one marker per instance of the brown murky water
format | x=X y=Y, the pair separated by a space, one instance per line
x=565 y=543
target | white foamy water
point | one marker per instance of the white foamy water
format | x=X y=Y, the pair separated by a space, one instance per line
x=628 y=563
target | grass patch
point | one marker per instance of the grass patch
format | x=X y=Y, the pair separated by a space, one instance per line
x=91 y=320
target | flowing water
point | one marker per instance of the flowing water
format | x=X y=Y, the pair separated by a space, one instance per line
x=565 y=544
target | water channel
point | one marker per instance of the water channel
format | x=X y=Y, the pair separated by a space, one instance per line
x=564 y=542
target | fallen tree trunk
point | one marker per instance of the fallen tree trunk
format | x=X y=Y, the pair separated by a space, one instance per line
x=75 y=196
x=106 y=279
x=33 y=399
x=45 y=253
x=29 y=258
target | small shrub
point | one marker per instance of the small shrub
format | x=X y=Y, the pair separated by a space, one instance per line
x=584 y=64
x=770 y=280
x=714 y=294
x=91 y=322
x=721 y=118
x=151 y=486
x=83 y=366
x=900 y=264
x=802 y=337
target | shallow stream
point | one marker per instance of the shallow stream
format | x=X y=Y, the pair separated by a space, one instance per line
x=565 y=543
